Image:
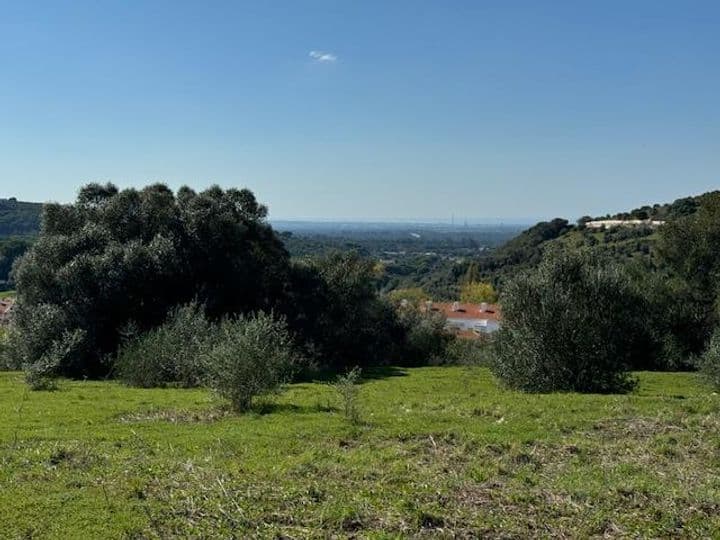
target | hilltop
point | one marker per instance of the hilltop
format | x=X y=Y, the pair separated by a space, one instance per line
x=18 y=218
x=619 y=243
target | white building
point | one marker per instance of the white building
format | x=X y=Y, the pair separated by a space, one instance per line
x=609 y=223
x=468 y=320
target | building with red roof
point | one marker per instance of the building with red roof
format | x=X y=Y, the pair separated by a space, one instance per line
x=6 y=306
x=468 y=320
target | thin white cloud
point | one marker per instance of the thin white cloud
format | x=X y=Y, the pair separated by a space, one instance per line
x=324 y=57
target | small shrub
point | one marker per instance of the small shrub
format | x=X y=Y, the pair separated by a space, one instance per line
x=348 y=389
x=46 y=326
x=570 y=325
x=170 y=354
x=253 y=356
x=42 y=374
x=710 y=361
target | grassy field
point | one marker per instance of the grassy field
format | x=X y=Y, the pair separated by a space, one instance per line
x=440 y=452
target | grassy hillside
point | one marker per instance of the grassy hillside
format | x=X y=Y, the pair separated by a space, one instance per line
x=19 y=218
x=442 y=451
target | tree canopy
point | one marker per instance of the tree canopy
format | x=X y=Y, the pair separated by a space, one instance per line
x=116 y=257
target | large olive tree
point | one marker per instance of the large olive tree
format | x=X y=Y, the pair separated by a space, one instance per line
x=118 y=257
x=569 y=325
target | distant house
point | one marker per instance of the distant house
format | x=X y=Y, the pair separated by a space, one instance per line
x=6 y=306
x=610 y=223
x=468 y=320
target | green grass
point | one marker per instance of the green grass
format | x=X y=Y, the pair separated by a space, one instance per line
x=440 y=452
x=8 y=294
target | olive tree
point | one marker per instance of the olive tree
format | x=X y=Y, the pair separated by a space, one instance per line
x=569 y=325
x=115 y=257
x=253 y=356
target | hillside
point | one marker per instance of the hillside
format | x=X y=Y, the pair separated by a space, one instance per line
x=19 y=218
x=619 y=243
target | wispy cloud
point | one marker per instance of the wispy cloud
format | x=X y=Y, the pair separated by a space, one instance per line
x=324 y=57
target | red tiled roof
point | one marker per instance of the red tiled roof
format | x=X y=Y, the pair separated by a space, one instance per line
x=467 y=311
x=6 y=305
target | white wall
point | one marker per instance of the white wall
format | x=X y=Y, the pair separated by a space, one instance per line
x=480 y=325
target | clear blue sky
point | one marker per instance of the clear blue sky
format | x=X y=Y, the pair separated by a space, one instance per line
x=404 y=109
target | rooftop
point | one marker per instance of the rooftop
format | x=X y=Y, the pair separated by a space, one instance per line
x=459 y=310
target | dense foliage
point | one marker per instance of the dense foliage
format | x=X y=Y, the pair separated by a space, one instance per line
x=335 y=310
x=128 y=257
x=171 y=354
x=570 y=325
x=110 y=269
x=710 y=361
x=475 y=292
x=11 y=249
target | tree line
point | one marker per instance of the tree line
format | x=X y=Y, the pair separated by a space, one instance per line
x=117 y=265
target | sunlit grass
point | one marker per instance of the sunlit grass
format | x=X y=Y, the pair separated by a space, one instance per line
x=437 y=450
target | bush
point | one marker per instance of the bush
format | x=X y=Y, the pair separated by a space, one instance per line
x=570 y=325
x=42 y=374
x=469 y=352
x=46 y=344
x=348 y=389
x=677 y=322
x=710 y=361
x=334 y=310
x=426 y=339
x=253 y=356
x=169 y=354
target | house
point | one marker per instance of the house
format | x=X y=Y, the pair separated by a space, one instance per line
x=610 y=223
x=468 y=320
x=6 y=306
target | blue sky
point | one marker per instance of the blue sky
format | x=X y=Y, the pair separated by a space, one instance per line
x=367 y=110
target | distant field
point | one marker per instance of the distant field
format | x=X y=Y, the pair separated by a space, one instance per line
x=443 y=452
x=7 y=294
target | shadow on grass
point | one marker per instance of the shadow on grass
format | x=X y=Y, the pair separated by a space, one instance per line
x=381 y=372
x=265 y=408
x=368 y=374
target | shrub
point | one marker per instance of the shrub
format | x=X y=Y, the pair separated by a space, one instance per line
x=169 y=354
x=348 y=389
x=570 y=325
x=469 y=352
x=334 y=310
x=42 y=374
x=46 y=344
x=677 y=322
x=426 y=339
x=710 y=361
x=253 y=355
